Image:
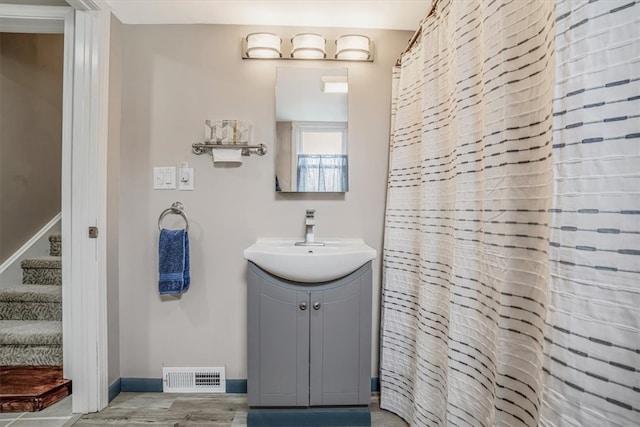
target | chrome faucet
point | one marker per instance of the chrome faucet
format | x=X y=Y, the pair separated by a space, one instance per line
x=310 y=223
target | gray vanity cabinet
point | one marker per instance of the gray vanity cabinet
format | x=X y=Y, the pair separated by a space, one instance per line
x=309 y=345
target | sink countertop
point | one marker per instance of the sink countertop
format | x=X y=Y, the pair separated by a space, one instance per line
x=309 y=264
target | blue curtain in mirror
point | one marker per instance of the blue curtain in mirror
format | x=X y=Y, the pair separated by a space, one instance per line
x=322 y=172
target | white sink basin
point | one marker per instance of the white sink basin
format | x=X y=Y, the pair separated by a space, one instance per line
x=309 y=264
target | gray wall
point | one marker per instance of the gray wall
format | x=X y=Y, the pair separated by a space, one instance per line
x=30 y=135
x=113 y=197
x=175 y=77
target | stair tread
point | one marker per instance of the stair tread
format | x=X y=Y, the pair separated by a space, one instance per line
x=32 y=293
x=42 y=262
x=30 y=332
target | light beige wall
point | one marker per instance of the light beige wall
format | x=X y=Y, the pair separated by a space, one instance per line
x=174 y=78
x=113 y=197
x=30 y=135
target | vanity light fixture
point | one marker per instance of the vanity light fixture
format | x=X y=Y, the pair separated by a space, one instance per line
x=263 y=45
x=353 y=47
x=308 y=46
x=348 y=47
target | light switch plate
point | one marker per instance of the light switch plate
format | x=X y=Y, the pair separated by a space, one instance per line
x=164 y=178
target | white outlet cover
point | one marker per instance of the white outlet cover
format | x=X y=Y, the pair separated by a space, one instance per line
x=186 y=185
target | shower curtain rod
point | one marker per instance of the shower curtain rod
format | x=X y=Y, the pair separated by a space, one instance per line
x=418 y=32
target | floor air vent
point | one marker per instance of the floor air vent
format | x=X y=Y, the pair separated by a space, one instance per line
x=193 y=380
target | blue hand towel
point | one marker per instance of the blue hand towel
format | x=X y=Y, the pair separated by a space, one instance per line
x=173 y=262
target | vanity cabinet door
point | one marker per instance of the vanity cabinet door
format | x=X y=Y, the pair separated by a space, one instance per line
x=278 y=344
x=340 y=343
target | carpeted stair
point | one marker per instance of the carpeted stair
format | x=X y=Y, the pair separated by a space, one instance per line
x=31 y=313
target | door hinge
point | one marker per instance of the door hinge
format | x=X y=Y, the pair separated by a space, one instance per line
x=93 y=232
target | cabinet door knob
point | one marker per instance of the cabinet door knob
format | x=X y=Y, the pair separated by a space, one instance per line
x=303 y=305
x=316 y=306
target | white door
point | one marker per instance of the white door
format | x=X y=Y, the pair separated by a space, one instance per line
x=84 y=142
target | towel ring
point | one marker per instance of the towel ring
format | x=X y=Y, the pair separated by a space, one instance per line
x=178 y=209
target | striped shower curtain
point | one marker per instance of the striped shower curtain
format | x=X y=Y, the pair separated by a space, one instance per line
x=592 y=332
x=467 y=224
x=510 y=285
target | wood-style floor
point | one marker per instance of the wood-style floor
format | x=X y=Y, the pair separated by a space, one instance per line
x=31 y=388
x=191 y=410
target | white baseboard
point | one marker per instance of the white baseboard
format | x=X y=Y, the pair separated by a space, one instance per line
x=10 y=270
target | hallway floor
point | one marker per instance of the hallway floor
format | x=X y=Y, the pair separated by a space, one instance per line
x=171 y=409
x=57 y=415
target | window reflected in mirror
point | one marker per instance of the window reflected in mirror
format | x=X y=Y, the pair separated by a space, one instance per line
x=311 y=130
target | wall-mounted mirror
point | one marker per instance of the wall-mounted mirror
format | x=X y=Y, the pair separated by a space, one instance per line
x=311 y=130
